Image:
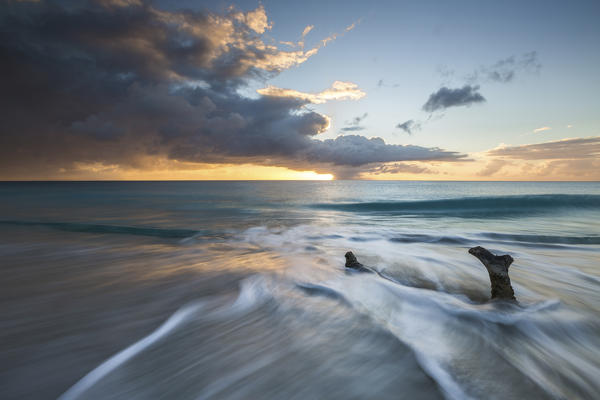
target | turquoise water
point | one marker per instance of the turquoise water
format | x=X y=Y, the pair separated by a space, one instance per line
x=238 y=290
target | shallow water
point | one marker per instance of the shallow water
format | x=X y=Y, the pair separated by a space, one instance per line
x=237 y=290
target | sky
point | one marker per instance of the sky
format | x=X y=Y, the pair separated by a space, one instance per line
x=432 y=90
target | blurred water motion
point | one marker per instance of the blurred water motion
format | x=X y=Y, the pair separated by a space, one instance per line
x=237 y=290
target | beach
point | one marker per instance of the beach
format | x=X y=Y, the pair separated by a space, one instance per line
x=237 y=290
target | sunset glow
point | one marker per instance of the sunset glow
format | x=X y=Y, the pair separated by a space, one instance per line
x=265 y=91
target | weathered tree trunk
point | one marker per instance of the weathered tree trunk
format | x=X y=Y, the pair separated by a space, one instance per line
x=352 y=262
x=497 y=267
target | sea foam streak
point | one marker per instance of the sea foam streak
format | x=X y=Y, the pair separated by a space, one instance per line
x=250 y=295
x=125 y=355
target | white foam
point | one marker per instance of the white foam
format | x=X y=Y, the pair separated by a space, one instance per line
x=252 y=292
x=93 y=377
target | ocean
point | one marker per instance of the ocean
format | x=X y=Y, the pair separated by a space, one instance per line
x=238 y=290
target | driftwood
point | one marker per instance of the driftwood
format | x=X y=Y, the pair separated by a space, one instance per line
x=497 y=267
x=352 y=263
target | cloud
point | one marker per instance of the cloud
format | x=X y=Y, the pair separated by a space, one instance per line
x=577 y=148
x=502 y=71
x=357 y=120
x=446 y=97
x=338 y=91
x=334 y=36
x=506 y=69
x=352 y=155
x=493 y=167
x=529 y=62
x=409 y=126
x=542 y=129
x=307 y=30
x=355 y=125
x=381 y=83
x=322 y=42
x=355 y=150
x=122 y=84
x=256 y=20
x=397 y=168
x=574 y=169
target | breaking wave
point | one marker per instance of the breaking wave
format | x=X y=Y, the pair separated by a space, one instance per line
x=473 y=207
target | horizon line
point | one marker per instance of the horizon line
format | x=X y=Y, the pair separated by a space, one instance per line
x=288 y=180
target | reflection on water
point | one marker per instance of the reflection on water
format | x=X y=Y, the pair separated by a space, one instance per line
x=203 y=290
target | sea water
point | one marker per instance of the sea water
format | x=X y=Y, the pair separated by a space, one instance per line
x=237 y=290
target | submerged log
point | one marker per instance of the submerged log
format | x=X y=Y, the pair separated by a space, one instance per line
x=497 y=267
x=352 y=262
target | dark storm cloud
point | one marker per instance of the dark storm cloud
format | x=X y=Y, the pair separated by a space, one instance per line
x=409 y=126
x=446 y=97
x=121 y=82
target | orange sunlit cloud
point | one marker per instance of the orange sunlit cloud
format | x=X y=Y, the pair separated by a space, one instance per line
x=338 y=91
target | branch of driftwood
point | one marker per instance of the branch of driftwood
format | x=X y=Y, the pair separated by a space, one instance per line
x=497 y=268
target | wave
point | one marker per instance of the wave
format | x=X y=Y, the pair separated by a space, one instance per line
x=543 y=238
x=520 y=239
x=114 y=229
x=473 y=206
x=423 y=238
x=392 y=308
x=324 y=291
x=98 y=373
x=250 y=296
